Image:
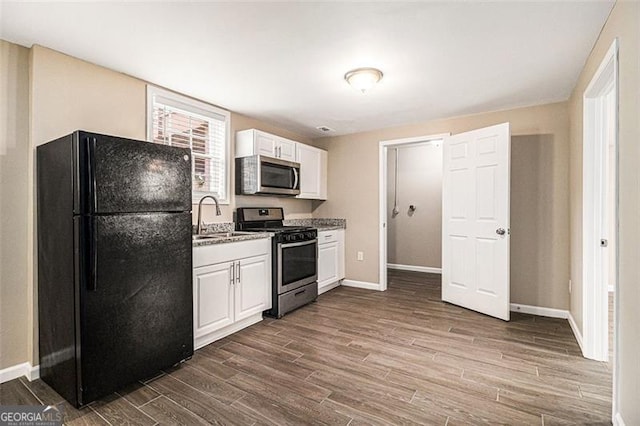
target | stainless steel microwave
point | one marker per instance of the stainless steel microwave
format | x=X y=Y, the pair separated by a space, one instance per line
x=262 y=175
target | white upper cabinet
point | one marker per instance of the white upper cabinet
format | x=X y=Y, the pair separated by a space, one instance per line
x=313 y=172
x=256 y=142
x=313 y=161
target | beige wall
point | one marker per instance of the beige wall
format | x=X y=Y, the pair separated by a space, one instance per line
x=539 y=276
x=69 y=94
x=415 y=239
x=623 y=23
x=14 y=149
x=354 y=196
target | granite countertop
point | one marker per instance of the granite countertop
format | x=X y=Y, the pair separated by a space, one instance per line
x=321 y=224
x=232 y=239
x=218 y=227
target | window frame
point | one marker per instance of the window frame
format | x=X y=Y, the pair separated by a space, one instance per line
x=197 y=107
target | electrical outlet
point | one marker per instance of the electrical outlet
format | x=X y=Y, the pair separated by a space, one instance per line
x=569 y=286
x=360 y=256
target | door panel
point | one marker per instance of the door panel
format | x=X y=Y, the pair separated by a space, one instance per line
x=310 y=178
x=287 y=149
x=214 y=297
x=327 y=263
x=138 y=318
x=475 y=203
x=265 y=144
x=251 y=290
x=129 y=176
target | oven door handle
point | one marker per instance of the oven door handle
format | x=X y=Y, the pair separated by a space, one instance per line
x=301 y=243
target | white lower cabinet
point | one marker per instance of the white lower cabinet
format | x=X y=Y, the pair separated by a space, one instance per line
x=231 y=288
x=330 y=259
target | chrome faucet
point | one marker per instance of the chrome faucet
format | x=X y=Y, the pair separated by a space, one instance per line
x=218 y=212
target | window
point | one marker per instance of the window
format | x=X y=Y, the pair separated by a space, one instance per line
x=177 y=120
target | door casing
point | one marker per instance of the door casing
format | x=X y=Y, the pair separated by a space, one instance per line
x=600 y=112
x=382 y=196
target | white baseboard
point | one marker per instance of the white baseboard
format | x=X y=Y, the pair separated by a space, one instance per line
x=326 y=288
x=540 y=311
x=617 y=420
x=361 y=284
x=576 y=331
x=16 y=371
x=414 y=268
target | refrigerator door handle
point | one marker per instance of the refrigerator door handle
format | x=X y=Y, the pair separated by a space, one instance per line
x=93 y=256
x=91 y=146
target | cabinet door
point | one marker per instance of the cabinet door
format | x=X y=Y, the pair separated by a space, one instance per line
x=313 y=172
x=253 y=286
x=327 y=264
x=265 y=144
x=213 y=297
x=286 y=149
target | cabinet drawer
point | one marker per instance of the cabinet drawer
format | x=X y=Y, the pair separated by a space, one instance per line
x=225 y=252
x=327 y=236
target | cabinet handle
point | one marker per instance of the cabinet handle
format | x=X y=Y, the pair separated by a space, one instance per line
x=233 y=272
x=238 y=277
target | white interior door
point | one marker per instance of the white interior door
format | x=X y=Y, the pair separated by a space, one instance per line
x=475 y=220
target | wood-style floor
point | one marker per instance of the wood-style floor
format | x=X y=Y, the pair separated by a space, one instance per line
x=363 y=357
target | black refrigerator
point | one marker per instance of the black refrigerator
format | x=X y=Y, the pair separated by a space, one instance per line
x=115 y=297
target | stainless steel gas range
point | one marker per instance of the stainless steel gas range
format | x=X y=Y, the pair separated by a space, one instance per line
x=294 y=257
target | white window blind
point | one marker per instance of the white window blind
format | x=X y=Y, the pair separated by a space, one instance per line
x=180 y=121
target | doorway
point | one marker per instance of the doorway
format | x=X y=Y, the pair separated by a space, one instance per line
x=414 y=207
x=600 y=216
x=384 y=155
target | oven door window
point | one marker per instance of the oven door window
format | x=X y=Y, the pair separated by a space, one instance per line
x=276 y=176
x=298 y=262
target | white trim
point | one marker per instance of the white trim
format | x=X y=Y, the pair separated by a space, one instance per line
x=576 y=331
x=362 y=284
x=611 y=288
x=596 y=111
x=617 y=420
x=328 y=287
x=539 y=311
x=414 y=268
x=382 y=192
x=16 y=371
x=34 y=373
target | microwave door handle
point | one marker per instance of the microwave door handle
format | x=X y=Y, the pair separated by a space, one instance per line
x=295 y=178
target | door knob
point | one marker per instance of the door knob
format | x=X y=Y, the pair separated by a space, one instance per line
x=500 y=231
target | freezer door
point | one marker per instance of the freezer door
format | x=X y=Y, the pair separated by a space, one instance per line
x=136 y=301
x=118 y=175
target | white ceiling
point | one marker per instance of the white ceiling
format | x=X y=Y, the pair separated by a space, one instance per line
x=284 y=62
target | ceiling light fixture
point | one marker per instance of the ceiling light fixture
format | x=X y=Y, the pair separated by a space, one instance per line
x=363 y=79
